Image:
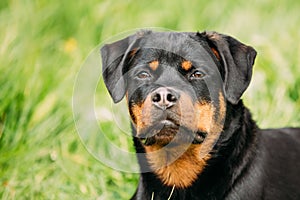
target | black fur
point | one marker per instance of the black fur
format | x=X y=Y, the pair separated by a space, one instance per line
x=246 y=162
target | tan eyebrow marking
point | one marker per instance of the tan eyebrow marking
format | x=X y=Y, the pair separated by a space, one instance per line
x=186 y=65
x=154 y=64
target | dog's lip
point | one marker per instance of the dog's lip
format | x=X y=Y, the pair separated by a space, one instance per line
x=158 y=126
x=154 y=131
x=166 y=128
x=167 y=136
x=199 y=137
x=168 y=122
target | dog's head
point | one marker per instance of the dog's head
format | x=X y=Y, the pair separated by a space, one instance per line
x=177 y=83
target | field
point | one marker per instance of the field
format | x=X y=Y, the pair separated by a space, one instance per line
x=45 y=45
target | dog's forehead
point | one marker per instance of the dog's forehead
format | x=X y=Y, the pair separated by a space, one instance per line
x=165 y=39
x=182 y=44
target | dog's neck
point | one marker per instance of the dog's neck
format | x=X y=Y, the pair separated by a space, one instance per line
x=215 y=173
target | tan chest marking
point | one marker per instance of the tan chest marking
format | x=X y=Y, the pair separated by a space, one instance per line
x=172 y=168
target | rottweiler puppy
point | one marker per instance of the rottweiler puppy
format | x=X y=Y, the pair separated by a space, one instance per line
x=193 y=135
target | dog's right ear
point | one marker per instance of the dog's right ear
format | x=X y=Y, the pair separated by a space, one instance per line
x=237 y=59
x=113 y=60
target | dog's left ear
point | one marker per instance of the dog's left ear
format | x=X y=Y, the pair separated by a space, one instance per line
x=114 y=57
x=237 y=60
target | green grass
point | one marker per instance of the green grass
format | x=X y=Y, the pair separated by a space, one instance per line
x=45 y=43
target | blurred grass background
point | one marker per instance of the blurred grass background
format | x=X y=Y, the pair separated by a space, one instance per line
x=43 y=45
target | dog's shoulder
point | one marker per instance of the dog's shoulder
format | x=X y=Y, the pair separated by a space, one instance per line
x=278 y=162
x=281 y=147
x=283 y=138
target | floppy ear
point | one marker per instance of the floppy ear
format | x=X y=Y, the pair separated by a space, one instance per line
x=237 y=60
x=113 y=60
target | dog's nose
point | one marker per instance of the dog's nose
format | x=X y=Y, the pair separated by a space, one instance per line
x=164 y=98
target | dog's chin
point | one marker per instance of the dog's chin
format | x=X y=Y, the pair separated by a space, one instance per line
x=169 y=133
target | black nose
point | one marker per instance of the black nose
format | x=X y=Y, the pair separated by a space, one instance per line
x=164 y=98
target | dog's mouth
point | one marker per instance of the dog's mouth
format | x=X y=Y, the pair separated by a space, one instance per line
x=170 y=132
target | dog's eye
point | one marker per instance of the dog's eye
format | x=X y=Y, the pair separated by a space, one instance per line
x=143 y=75
x=196 y=75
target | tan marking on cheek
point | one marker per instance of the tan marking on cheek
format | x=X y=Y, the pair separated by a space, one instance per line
x=136 y=111
x=141 y=115
x=216 y=53
x=179 y=166
x=154 y=65
x=213 y=124
x=186 y=111
x=204 y=116
x=186 y=65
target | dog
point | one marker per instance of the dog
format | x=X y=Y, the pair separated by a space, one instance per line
x=193 y=136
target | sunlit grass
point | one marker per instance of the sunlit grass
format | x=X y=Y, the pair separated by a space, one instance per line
x=43 y=45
